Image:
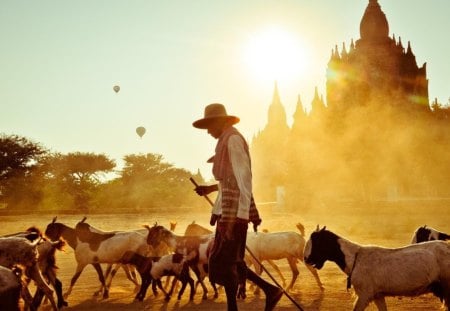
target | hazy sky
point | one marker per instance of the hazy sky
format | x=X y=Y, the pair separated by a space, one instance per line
x=59 y=61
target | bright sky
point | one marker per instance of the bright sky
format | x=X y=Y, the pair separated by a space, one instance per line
x=59 y=61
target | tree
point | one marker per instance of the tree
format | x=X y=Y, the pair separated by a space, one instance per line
x=149 y=182
x=19 y=159
x=77 y=175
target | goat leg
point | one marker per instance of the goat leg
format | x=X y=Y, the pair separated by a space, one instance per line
x=35 y=274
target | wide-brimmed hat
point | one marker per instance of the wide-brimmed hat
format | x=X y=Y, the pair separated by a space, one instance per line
x=214 y=112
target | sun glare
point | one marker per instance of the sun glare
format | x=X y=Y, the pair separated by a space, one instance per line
x=275 y=54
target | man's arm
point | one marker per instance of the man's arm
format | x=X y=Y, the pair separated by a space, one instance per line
x=203 y=190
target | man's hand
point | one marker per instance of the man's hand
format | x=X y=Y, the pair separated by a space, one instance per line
x=213 y=219
x=256 y=223
x=205 y=190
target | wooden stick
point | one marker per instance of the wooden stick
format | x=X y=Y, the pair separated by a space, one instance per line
x=206 y=196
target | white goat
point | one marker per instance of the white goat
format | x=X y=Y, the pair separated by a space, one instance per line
x=92 y=247
x=376 y=272
x=130 y=272
x=278 y=245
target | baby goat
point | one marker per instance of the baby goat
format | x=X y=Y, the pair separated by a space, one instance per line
x=152 y=269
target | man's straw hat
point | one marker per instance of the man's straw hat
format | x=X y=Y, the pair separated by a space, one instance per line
x=214 y=112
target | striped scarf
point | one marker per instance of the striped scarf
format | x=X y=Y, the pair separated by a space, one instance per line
x=223 y=172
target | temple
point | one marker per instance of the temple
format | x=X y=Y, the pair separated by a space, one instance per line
x=376 y=66
x=369 y=140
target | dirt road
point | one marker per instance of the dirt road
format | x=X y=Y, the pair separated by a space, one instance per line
x=306 y=292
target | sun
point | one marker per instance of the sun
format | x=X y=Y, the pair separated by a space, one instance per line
x=275 y=54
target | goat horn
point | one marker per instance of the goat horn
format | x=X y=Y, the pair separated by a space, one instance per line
x=54 y=219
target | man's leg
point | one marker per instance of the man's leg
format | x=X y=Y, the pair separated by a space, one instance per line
x=273 y=293
x=231 y=290
x=223 y=267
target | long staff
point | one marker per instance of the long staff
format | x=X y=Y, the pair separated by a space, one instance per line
x=256 y=259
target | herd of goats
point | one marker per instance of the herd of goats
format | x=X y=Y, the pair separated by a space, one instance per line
x=155 y=251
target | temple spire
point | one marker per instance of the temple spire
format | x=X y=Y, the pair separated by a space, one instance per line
x=344 y=50
x=317 y=103
x=276 y=96
x=409 y=51
x=299 y=110
x=336 y=52
x=316 y=93
x=276 y=114
x=374 y=25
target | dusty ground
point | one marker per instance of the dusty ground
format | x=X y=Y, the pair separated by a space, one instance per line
x=393 y=227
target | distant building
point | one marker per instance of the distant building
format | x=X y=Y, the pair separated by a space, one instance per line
x=376 y=66
x=367 y=141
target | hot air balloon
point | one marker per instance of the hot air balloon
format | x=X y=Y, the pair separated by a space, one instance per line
x=140 y=131
x=116 y=88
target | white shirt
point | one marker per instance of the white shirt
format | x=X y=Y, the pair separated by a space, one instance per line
x=240 y=163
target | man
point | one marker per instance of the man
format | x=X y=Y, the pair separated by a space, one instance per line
x=233 y=210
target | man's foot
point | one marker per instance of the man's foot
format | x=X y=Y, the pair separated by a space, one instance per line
x=241 y=292
x=272 y=298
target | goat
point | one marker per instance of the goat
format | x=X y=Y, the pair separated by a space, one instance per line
x=86 y=232
x=112 y=269
x=271 y=263
x=423 y=234
x=151 y=269
x=47 y=265
x=21 y=251
x=10 y=288
x=143 y=265
x=376 y=272
x=95 y=248
x=56 y=230
x=184 y=245
x=279 y=245
x=194 y=229
x=159 y=251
